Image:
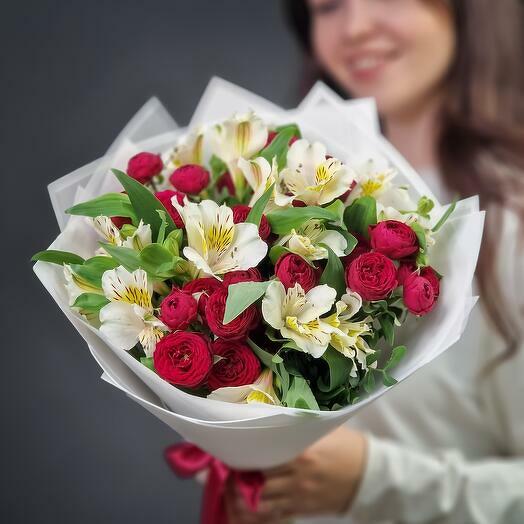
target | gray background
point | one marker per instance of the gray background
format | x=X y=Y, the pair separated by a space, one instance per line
x=74 y=449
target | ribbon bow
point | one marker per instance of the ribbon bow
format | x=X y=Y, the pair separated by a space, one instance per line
x=186 y=460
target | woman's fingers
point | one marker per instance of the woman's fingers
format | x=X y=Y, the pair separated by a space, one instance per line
x=278 y=487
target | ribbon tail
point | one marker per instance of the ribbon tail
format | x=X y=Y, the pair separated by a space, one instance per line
x=213 y=503
x=250 y=484
x=186 y=459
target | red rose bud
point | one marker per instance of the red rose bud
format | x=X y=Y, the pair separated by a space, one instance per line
x=248 y=275
x=431 y=275
x=120 y=221
x=178 y=309
x=418 y=294
x=144 y=166
x=205 y=287
x=240 y=213
x=237 y=367
x=372 y=275
x=225 y=181
x=190 y=179
x=165 y=197
x=291 y=269
x=183 y=358
x=406 y=268
x=393 y=239
x=238 y=328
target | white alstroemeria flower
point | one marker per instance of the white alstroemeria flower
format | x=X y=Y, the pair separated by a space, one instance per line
x=75 y=286
x=140 y=238
x=129 y=317
x=189 y=150
x=307 y=241
x=347 y=335
x=374 y=177
x=259 y=175
x=260 y=391
x=296 y=315
x=241 y=136
x=310 y=177
x=216 y=245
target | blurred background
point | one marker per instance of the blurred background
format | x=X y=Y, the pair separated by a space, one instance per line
x=74 y=449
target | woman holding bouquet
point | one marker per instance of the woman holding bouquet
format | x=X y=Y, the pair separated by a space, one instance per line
x=447 y=445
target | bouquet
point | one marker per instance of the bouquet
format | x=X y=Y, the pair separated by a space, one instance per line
x=260 y=272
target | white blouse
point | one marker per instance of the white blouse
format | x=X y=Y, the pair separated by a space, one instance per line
x=447 y=445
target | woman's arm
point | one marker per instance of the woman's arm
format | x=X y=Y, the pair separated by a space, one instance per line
x=405 y=485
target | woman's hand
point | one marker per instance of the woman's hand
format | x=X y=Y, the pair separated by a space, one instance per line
x=321 y=481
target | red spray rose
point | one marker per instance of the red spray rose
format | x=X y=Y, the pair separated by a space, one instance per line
x=408 y=267
x=165 y=197
x=291 y=269
x=372 y=275
x=205 y=287
x=240 y=213
x=190 y=179
x=183 y=358
x=431 y=275
x=237 y=367
x=120 y=221
x=393 y=239
x=247 y=275
x=178 y=309
x=144 y=166
x=418 y=294
x=238 y=328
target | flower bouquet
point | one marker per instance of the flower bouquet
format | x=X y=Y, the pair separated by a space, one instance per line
x=255 y=279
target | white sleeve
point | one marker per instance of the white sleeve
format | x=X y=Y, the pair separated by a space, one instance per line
x=403 y=485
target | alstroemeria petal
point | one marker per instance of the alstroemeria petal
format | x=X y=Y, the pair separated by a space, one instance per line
x=121 y=325
x=272 y=304
x=120 y=285
x=319 y=300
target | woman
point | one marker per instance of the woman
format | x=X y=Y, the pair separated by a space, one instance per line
x=447 y=445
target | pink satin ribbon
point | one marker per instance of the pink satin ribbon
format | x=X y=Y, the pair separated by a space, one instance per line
x=186 y=460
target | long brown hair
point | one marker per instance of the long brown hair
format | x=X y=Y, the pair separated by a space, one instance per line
x=481 y=142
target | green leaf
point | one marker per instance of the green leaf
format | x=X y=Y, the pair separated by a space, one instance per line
x=296 y=129
x=424 y=206
x=369 y=381
x=90 y=302
x=91 y=270
x=282 y=221
x=361 y=214
x=279 y=146
x=421 y=235
x=396 y=356
x=386 y=323
x=218 y=168
x=240 y=296
x=299 y=395
x=264 y=356
x=109 y=205
x=338 y=208
x=333 y=274
x=255 y=215
x=57 y=257
x=277 y=359
x=445 y=216
x=387 y=379
x=145 y=204
x=163 y=225
x=157 y=258
x=148 y=362
x=339 y=368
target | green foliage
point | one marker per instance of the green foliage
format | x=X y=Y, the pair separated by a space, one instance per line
x=240 y=296
x=299 y=395
x=338 y=367
x=255 y=215
x=57 y=257
x=282 y=221
x=445 y=216
x=90 y=302
x=91 y=271
x=333 y=274
x=361 y=214
x=145 y=204
x=109 y=205
x=279 y=146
